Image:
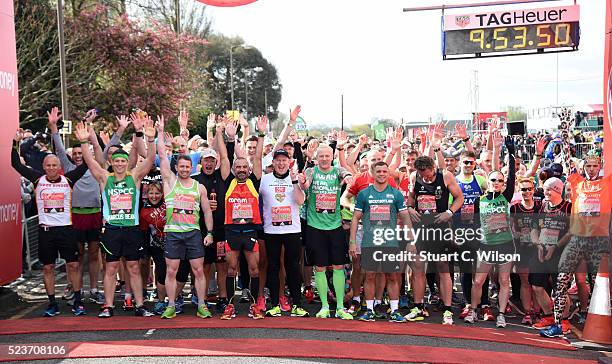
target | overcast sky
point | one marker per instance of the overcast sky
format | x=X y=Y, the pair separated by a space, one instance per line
x=388 y=63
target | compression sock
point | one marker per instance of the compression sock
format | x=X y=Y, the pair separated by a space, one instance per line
x=77 y=298
x=338 y=279
x=321 y=283
x=52 y=299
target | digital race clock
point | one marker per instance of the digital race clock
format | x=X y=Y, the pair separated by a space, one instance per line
x=511 y=32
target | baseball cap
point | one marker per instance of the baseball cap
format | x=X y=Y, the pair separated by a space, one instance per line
x=554 y=184
x=208 y=152
x=557 y=169
x=280 y=152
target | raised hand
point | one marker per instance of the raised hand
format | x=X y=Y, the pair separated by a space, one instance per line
x=294 y=114
x=342 y=139
x=311 y=149
x=168 y=137
x=159 y=125
x=123 y=121
x=262 y=124
x=243 y=122
x=149 y=127
x=498 y=139
x=293 y=136
x=231 y=129
x=461 y=130
x=53 y=118
x=437 y=134
x=541 y=145
x=293 y=174
x=19 y=135
x=363 y=140
x=81 y=132
x=91 y=115
x=105 y=137
x=138 y=121
x=396 y=139
x=211 y=121
x=183 y=119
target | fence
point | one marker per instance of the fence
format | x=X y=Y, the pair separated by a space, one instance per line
x=527 y=151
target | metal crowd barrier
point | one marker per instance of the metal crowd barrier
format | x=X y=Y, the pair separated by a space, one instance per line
x=29 y=229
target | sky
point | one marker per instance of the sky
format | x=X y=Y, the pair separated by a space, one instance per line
x=388 y=63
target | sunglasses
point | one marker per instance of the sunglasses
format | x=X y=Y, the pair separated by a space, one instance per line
x=526 y=189
x=496 y=180
x=468 y=163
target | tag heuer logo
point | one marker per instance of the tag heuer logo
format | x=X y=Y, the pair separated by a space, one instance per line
x=462 y=20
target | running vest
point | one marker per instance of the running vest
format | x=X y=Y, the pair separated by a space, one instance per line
x=120 y=201
x=591 y=204
x=53 y=201
x=471 y=198
x=281 y=213
x=183 y=208
x=524 y=219
x=494 y=220
x=324 y=200
x=554 y=222
x=242 y=203
x=431 y=198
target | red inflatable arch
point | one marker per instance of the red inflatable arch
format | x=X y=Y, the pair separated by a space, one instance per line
x=227 y=3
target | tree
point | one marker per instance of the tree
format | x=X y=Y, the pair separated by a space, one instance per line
x=253 y=75
x=516 y=113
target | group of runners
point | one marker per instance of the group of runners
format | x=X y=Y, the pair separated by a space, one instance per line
x=276 y=216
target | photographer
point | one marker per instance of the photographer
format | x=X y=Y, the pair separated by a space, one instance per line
x=34 y=150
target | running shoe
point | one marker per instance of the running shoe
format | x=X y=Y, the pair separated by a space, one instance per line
x=106 y=312
x=404 y=302
x=415 y=314
x=128 y=304
x=297 y=311
x=487 y=314
x=261 y=303
x=554 y=330
x=309 y=295
x=381 y=311
x=457 y=300
x=141 y=311
x=284 y=303
x=527 y=319
x=565 y=326
x=342 y=314
x=79 y=310
x=203 y=311
x=573 y=290
x=464 y=312
x=509 y=311
x=447 y=318
x=229 y=312
x=471 y=317
x=544 y=322
x=274 y=311
x=179 y=303
x=267 y=293
x=96 y=297
x=169 y=312
x=354 y=307
x=396 y=316
x=256 y=312
x=434 y=299
x=501 y=320
x=70 y=302
x=194 y=298
x=246 y=295
x=68 y=292
x=323 y=313
x=221 y=304
x=118 y=286
x=367 y=315
x=52 y=310
x=160 y=307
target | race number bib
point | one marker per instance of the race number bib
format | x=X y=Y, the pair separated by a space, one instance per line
x=53 y=202
x=549 y=236
x=380 y=214
x=467 y=212
x=242 y=213
x=281 y=216
x=497 y=223
x=525 y=236
x=184 y=207
x=326 y=203
x=588 y=206
x=121 y=203
x=426 y=204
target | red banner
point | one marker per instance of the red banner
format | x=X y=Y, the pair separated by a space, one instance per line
x=608 y=90
x=10 y=198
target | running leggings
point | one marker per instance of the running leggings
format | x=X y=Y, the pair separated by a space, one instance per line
x=293 y=245
x=588 y=248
